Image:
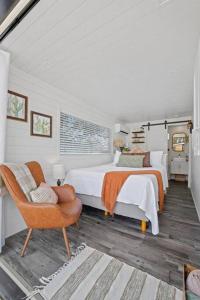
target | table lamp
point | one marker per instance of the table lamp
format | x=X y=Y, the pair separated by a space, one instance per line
x=59 y=173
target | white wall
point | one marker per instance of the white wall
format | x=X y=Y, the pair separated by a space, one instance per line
x=195 y=168
x=4 y=71
x=21 y=146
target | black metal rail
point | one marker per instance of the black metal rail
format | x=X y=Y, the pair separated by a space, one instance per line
x=165 y=123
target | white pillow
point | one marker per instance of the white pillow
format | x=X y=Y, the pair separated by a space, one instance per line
x=44 y=194
x=116 y=157
x=156 y=158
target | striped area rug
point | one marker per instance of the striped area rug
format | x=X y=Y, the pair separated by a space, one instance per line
x=93 y=275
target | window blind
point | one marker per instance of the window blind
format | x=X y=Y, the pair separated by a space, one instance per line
x=78 y=136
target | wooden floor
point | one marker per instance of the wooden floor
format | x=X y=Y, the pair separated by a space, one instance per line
x=162 y=256
x=8 y=289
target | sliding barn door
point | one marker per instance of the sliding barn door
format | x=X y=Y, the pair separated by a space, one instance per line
x=157 y=138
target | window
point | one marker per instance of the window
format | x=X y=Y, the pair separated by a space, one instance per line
x=78 y=136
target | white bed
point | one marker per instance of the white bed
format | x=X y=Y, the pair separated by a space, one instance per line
x=138 y=197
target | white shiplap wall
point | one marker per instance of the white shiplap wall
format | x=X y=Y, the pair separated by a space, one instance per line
x=195 y=169
x=21 y=146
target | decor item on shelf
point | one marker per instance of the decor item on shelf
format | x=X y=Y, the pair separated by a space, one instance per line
x=119 y=144
x=41 y=124
x=126 y=149
x=59 y=173
x=17 y=106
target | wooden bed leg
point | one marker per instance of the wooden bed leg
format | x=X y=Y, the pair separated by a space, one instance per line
x=143 y=226
x=106 y=213
x=161 y=208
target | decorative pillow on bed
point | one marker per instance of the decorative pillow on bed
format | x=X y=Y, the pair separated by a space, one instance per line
x=131 y=161
x=146 y=160
x=44 y=194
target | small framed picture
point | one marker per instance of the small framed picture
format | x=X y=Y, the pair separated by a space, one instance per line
x=41 y=124
x=17 y=107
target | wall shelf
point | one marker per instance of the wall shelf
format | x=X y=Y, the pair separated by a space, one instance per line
x=138 y=137
x=137 y=131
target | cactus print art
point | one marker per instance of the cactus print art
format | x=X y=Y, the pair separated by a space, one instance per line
x=17 y=106
x=41 y=124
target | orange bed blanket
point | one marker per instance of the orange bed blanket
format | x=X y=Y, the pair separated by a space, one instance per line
x=113 y=182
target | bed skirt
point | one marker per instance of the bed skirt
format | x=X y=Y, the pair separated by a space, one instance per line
x=122 y=209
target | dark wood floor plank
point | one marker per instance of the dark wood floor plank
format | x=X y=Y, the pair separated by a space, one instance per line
x=162 y=256
x=8 y=289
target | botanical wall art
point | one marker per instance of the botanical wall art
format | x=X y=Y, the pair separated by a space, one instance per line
x=17 y=106
x=41 y=124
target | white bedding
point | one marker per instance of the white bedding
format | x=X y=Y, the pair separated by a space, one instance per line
x=141 y=190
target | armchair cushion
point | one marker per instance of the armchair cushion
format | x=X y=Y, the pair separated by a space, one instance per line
x=44 y=194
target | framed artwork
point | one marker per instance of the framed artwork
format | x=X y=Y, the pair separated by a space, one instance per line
x=17 y=107
x=41 y=124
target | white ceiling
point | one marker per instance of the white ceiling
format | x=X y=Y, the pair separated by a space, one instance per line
x=131 y=58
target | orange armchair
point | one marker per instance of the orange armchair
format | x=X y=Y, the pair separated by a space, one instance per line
x=44 y=215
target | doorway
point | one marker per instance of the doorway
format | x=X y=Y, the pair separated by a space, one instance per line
x=179 y=146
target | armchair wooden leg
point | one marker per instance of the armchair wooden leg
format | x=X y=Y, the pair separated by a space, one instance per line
x=26 y=242
x=66 y=242
x=77 y=224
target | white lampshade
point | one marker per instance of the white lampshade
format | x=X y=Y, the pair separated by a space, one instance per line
x=58 y=171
